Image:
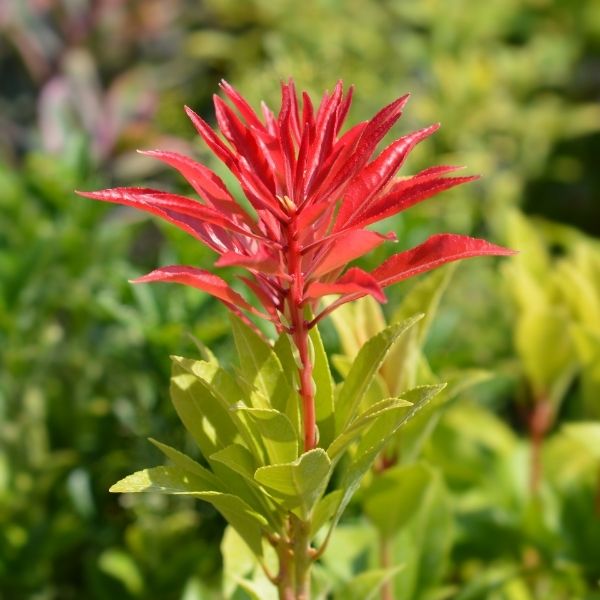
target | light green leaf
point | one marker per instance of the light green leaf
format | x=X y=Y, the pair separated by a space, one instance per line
x=375 y=438
x=324 y=389
x=355 y=429
x=240 y=566
x=285 y=353
x=324 y=510
x=167 y=480
x=235 y=465
x=356 y=322
x=172 y=480
x=425 y=297
x=366 y=364
x=188 y=464
x=275 y=432
x=299 y=483
x=260 y=366
x=214 y=422
x=415 y=433
x=248 y=523
x=203 y=414
x=587 y=433
x=367 y=585
x=546 y=353
x=122 y=567
x=395 y=495
x=239 y=459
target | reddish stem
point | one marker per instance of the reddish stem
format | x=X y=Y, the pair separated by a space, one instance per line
x=300 y=336
x=540 y=422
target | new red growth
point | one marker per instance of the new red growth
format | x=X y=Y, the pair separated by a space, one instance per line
x=314 y=191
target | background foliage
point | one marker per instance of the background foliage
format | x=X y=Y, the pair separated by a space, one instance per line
x=84 y=356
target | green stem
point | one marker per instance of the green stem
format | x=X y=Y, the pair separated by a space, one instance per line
x=302 y=556
x=295 y=561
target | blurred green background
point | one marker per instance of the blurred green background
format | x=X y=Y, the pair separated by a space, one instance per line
x=84 y=355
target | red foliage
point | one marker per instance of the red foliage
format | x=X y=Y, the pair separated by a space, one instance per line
x=313 y=192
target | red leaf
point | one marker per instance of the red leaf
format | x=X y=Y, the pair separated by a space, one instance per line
x=342 y=248
x=208 y=185
x=244 y=142
x=372 y=134
x=187 y=214
x=262 y=261
x=211 y=139
x=435 y=252
x=199 y=278
x=240 y=103
x=354 y=281
x=405 y=194
x=376 y=175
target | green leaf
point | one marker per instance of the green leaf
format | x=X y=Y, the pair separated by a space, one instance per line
x=235 y=466
x=284 y=351
x=367 y=585
x=167 y=480
x=239 y=459
x=214 y=420
x=587 y=433
x=189 y=464
x=260 y=366
x=425 y=297
x=375 y=438
x=247 y=522
x=425 y=543
x=121 y=566
x=356 y=322
x=355 y=429
x=172 y=480
x=545 y=352
x=416 y=432
x=324 y=510
x=324 y=390
x=394 y=496
x=274 y=431
x=364 y=367
x=300 y=483
x=202 y=412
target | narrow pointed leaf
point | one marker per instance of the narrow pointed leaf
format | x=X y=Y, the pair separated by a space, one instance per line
x=375 y=438
x=364 y=367
x=324 y=390
x=188 y=464
x=358 y=425
x=436 y=251
x=353 y=281
x=260 y=366
x=199 y=278
x=202 y=413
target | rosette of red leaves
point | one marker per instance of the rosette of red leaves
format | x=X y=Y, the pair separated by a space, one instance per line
x=314 y=191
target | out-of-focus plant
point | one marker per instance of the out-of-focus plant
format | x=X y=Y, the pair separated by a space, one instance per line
x=68 y=424
x=511 y=80
x=542 y=335
x=557 y=324
x=405 y=498
x=273 y=432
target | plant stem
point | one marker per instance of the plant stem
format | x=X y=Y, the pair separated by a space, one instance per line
x=300 y=338
x=540 y=421
x=302 y=557
x=385 y=562
x=295 y=561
